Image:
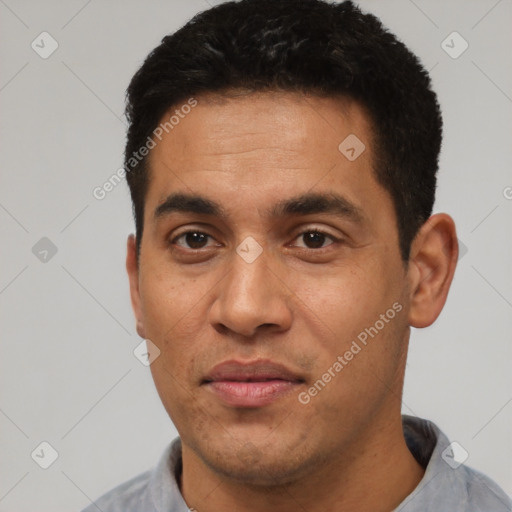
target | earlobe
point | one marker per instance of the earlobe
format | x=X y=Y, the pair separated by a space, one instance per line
x=432 y=263
x=133 y=276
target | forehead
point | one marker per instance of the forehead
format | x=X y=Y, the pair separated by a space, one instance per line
x=286 y=125
x=260 y=148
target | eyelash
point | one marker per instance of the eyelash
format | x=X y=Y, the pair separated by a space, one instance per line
x=314 y=230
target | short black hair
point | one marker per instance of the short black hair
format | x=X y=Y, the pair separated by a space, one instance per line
x=308 y=46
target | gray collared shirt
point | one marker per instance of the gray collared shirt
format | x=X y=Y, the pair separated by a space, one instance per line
x=445 y=487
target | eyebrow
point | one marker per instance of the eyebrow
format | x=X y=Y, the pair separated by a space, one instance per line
x=305 y=204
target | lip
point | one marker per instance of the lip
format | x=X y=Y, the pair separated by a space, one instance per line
x=251 y=384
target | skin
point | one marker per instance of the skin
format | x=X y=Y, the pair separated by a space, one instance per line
x=296 y=304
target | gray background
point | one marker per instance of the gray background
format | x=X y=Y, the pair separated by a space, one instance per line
x=68 y=374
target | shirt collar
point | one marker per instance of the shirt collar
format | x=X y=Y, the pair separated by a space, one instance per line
x=163 y=486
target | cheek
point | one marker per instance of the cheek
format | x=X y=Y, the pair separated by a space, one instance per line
x=346 y=299
x=168 y=300
x=356 y=313
x=173 y=324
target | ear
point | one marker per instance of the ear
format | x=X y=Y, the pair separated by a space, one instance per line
x=432 y=262
x=133 y=276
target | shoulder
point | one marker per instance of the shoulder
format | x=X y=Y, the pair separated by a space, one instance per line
x=151 y=491
x=483 y=493
x=131 y=495
x=448 y=484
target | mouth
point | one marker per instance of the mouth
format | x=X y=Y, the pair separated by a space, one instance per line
x=251 y=384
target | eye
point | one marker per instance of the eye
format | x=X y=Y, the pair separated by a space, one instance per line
x=193 y=239
x=196 y=240
x=315 y=238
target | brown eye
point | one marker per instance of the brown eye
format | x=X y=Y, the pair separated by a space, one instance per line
x=315 y=239
x=193 y=239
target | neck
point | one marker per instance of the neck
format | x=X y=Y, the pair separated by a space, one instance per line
x=376 y=472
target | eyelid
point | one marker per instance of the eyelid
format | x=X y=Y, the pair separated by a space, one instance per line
x=311 y=228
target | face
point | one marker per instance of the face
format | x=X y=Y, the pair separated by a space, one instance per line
x=271 y=281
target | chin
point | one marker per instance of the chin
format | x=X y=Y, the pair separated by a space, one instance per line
x=271 y=465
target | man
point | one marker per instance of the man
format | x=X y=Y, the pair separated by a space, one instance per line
x=282 y=159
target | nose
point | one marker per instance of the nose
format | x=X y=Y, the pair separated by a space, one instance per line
x=252 y=297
